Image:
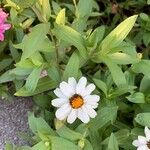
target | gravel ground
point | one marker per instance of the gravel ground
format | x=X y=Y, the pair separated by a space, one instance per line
x=13 y=119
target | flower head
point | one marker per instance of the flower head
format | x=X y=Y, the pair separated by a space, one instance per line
x=75 y=100
x=3 y=26
x=143 y=142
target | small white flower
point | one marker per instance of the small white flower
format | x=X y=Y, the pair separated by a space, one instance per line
x=75 y=100
x=143 y=143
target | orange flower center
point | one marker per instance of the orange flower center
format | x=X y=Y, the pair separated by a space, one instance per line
x=76 y=101
x=148 y=144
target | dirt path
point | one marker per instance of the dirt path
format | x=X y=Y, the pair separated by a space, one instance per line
x=13 y=119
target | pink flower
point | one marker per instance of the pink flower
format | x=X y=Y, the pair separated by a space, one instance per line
x=3 y=26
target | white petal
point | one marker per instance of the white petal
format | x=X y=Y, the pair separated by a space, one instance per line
x=63 y=112
x=90 y=111
x=136 y=143
x=89 y=89
x=83 y=116
x=72 y=82
x=58 y=102
x=147 y=133
x=144 y=147
x=80 y=88
x=59 y=93
x=66 y=89
x=72 y=116
x=94 y=105
x=142 y=139
x=91 y=98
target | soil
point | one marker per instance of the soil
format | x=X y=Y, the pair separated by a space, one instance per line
x=13 y=119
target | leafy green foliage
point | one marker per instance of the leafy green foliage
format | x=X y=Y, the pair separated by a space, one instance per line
x=106 y=42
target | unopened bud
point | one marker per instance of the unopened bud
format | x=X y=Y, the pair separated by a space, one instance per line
x=139 y=55
x=47 y=144
x=81 y=143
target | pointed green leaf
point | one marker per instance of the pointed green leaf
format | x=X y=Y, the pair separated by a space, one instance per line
x=72 y=67
x=32 y=79
x=116 y=72
x=44 y=84
x=142 y=67
x=143 y=119
x=72 y=37
x=113 y=144
x=39 y=124
x=31 y=42
x=117 y=35
x=101 y=119
x=137 y=97
x=60 y=19
x=122 y=58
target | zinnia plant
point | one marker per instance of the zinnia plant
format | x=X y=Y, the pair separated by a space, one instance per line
x=85 y=64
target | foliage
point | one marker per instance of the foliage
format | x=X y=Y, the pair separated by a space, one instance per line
x=106 y=42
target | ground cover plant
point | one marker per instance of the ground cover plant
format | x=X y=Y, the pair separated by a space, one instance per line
x=86 y=65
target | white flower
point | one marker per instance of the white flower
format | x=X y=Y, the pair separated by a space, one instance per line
x=75 y=100
x=143 y=143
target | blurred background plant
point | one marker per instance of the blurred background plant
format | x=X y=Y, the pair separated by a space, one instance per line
x=63 y=38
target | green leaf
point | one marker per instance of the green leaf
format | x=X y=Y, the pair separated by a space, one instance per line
x=27 y=63
x=96 y=36
x=95 y=138
x=33 y=40
x=39 y=124
x=39 y=146
x=69 y=134
x=101 y=118
x=32 y=79
x=5 y=63
x=146 y=38
x=121 y=136
x=101 y=85
x=44 y=84
x=46 y=9
x=54 y=74
x=116 y=72
x=120 y=91
x=148 y=2
x=15 y=54
x=58 y=143
x=145 y=85
x=21 y=71
x=137 y=97
x=72 y=37
x=87 y=145
x=60 y=19
x=113 y=144
x=117 y=35
x=143 y=119
x=144 y=17
x=122 y=58
x=142 y=67
x=24 y=3
x=72 y=68
x=42 y=101
x=84 y=8
x=56 y=7
x=6 y=77
x=37 y=59
x=46 y=46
